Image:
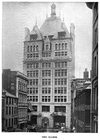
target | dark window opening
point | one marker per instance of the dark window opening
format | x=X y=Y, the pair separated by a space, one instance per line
x=45 y=108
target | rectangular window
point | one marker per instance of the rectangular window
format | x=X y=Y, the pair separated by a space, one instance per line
x=12 y=110
x=30 y=98
x=55 y=81
x=61 y=98
x=6 y=110
x=36 y=90
x=65 y=46
x=42 y=98
x=36 y=98
x=37 y=65
x=43 y=73
x=65 y=81
x=49 y=81
x=36 y=81
x=55 y=46
x=65 y=99
x=48 y=98
x=59 y=81
x=60 y=109
x=30 y=73
x=42 y=81
x=9 y=110
x=45 y=108
x=43 y=91
x=65 y=64
x=65 y=53
x=65 y=90
x=49 y=65
x=42 y=65
x=33 y=73
x=7 y=100
x=6 y=122
x=55 y=99
x=62 y=53
x=45 y=98
x=30 y=90
x=30 y=81
x=55 y=90
x=55 y=53
x=49 y=90
x=12 y=121
x=58 y=98
x=9 y=122
x=59 y=90
x=34 y=108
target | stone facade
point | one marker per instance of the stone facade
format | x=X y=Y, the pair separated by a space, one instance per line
x=49 y=64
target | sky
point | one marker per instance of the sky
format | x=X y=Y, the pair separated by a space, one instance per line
x=18 y=15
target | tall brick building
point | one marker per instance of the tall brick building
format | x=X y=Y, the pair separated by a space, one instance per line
x=49 y=65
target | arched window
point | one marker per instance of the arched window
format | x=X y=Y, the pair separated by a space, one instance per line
x=59 y=46
x=28 y=48
x=37 y=48
x=65 y=46
x=34 y=48
x=47 y=47
x=31 y=48
x=55 y=46
x=62 y=46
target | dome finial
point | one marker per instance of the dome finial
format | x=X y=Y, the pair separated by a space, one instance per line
x=53 y=9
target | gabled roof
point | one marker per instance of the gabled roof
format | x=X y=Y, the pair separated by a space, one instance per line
x=37 y=32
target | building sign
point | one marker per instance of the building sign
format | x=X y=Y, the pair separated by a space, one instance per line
x=58 y=114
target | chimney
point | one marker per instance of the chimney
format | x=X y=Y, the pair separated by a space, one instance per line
x=86 y=74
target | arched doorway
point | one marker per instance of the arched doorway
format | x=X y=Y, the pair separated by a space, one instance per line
x=45 y=122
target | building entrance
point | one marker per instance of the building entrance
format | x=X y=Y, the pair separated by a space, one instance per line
x=45 y=122
x=59 y=121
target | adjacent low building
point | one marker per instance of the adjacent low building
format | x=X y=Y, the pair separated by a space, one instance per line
x=15 y=83
x=94 y=93
x=80 y=103
x=82 y=109
x=9 y=111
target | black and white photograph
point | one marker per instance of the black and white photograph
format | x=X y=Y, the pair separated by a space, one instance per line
x=49 y=68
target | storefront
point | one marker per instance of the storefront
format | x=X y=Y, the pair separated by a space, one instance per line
x=59 y=119
x=34 y=119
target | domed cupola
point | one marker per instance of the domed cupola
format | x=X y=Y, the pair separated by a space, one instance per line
x=53 y=26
